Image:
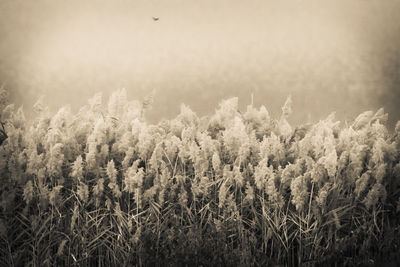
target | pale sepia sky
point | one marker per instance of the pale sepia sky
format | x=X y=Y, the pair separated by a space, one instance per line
x=339 y=56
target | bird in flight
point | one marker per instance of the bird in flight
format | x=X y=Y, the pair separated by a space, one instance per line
x=156 y=18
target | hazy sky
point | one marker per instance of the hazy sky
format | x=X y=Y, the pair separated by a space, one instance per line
x=339 y=56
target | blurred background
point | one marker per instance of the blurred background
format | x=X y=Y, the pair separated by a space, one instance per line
x=341 y=56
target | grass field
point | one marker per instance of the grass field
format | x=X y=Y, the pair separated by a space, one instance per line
x=102 y=187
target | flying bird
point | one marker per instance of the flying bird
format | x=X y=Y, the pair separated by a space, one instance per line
x=156 y=18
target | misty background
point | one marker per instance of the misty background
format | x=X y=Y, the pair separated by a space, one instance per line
x=341 y=56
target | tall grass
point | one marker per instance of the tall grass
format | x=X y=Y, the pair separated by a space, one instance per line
x=102 y=187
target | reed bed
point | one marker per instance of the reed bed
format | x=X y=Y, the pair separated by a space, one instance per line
x=102 y=187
